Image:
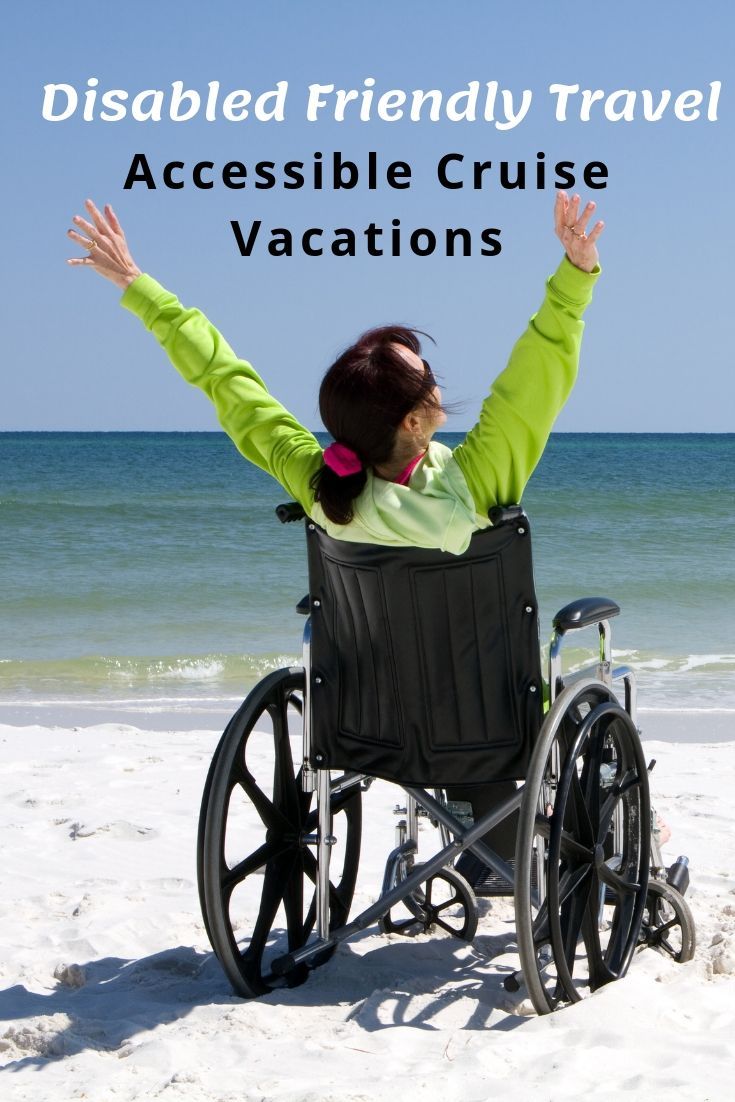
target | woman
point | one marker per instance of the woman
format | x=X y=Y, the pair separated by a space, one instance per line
x=384 y=480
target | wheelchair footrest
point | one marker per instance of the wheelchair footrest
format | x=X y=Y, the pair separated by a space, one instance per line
x=485 y=882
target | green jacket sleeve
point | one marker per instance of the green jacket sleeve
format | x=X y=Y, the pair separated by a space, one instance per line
x=260 y=427
x=499 y=454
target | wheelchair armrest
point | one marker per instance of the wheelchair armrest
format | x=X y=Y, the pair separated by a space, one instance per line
x=290 y=511
x=583 y=612
x=505 y=514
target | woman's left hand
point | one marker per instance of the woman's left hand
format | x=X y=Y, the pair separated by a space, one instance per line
x=570 y=228
x=107 y=249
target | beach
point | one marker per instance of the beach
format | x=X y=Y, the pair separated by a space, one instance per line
x=147 y=587
x=110 y=990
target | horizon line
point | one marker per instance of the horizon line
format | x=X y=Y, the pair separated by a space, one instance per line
x=323 y=432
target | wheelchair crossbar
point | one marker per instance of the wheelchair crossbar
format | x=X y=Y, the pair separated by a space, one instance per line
x=465 y=838
x=471 y=836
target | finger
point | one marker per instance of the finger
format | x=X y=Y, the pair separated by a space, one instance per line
x=84 y=225
x=560 y=210
x=584 y=217
x=596 y=231
x=112 y=219
x=85 y=242
x=98 y=219
x=98 y=245
x=573 y=211
x=80 y=260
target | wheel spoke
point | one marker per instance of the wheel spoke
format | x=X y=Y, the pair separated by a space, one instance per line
x=590 y=781
x=231 y=877
x=571 y=849
x=629 y=782
x=285 y=793
x=269 y=814
x=336 y=904
x=615 y=881
x=270 y=901
x=572 y=917
x=579 y=815
x=608 y=963
x=438 y=907
x=569 y=882
x=455 y=931
x=293 y=903
x=337 y=804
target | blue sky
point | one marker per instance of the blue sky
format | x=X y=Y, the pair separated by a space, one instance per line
x=657 y=353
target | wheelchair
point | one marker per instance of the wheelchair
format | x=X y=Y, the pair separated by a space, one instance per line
x=423 y=668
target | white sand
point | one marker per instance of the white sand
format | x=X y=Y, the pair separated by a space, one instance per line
x=109 y=989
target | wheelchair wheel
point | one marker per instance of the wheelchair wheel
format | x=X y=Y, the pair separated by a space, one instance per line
x=259 y=896
x=583 y=848
x=445 y=900
x=668 y=923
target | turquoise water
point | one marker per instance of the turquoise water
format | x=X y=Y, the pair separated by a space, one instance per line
x=148 y=569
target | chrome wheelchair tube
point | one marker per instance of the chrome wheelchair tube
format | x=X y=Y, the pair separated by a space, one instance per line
x=412 y=823
x=602 y=670
x=398 y=857
x=605 y=663
x=324 y=850
x=443 y=832
x=464 y=839
x=657 y=859
x=627 y=676
x=308 y=774
x=555 y=680
x=347 y=780
x=470 y=836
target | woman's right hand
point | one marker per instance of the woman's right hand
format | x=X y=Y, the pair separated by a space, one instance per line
x=107 y=249
x=571 y=228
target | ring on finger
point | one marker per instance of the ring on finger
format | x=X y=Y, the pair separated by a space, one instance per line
x=90 y=244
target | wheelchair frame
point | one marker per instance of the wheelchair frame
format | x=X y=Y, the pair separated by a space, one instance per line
x=545 y=899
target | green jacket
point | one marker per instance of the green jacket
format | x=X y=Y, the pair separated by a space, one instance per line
x=450 y=492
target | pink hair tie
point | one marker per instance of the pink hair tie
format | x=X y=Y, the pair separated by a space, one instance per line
x=342 y=460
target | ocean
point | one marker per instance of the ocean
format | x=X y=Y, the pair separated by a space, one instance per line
x=145 y=578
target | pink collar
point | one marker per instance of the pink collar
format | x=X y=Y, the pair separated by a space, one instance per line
x=406 y=473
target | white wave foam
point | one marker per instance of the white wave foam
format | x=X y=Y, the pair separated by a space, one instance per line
x=202 y=670
x=698 y=661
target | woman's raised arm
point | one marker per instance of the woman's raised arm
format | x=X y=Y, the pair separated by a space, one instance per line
x=500 y=453
x=260 y=427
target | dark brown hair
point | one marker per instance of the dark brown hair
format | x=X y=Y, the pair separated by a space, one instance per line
x=364 y=396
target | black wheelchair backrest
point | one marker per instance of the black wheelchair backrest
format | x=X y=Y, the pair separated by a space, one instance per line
x=425 y=665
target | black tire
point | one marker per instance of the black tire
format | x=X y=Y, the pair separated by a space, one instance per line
x=446 y=900
x=583 y=848
x=259 y=897
x=200 y=832
x=668 y=923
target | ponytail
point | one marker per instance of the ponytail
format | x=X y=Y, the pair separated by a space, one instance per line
x=336 y=493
